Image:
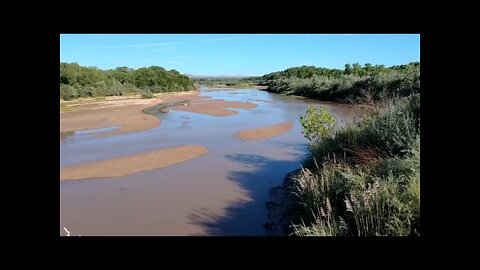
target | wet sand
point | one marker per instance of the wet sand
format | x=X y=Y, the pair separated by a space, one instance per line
x=215 y=107
x=127 y=165
x=124 y=112
x=264 y=132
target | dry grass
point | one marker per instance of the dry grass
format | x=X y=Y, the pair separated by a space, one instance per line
x=361 y=155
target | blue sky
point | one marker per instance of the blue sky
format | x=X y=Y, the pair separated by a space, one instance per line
x=237 y=54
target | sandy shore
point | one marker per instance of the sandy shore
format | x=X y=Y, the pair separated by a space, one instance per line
x=215 y=107
x=123 y=111
x=264 y=132
x=126 y=165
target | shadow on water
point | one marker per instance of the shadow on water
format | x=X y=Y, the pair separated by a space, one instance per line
x=300 y=149
x=246 y=218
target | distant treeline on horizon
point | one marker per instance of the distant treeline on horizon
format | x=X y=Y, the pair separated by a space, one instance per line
x=310 y=81
x=355 y=81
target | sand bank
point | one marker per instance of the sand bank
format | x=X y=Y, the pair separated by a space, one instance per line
x=125 y=112
x=215 y=107
x=264 y=132
x=126 y=165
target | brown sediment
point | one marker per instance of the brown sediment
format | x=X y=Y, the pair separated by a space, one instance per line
x=215 y=107
x=125 y=112
x=264 y=132
x=126 y=165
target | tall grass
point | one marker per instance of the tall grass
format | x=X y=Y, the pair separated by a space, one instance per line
x=365 y=180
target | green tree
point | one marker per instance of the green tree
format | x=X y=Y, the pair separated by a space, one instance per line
x=368 y=68
x=357 y=69
x=317 y=123
x=348 y=69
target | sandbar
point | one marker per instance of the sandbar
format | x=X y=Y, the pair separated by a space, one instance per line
x=126 y=165
x=264 y=132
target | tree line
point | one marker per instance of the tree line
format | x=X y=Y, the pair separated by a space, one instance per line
x=353 y=82
x=80 y=81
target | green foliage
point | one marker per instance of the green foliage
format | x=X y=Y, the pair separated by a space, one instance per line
x=68 y=92
x=147 y=95
x=348 y=84
x=365 y=180
x=395 y=130
x=317 y=123
x=77 y=81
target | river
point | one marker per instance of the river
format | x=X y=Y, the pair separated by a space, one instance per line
x=222 y=193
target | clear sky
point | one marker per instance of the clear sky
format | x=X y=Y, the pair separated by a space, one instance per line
x=237 y=54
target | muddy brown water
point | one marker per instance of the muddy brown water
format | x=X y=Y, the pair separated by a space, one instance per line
x=220 y=193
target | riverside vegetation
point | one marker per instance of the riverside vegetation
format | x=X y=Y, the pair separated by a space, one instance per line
x=77 y=81
x=364 y=179
x=347 y=85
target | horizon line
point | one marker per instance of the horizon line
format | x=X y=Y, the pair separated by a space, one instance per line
x=226 y=75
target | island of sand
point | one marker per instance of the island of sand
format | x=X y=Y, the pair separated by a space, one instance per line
x=131 y=164
x=264 y=132
x=215 y=107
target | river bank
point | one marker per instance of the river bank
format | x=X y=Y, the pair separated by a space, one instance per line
x=363 y=180
x=281 y=207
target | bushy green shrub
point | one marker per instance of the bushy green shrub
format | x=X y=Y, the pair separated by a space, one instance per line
x=317 y=123
x=147 y=95
x=68 y=92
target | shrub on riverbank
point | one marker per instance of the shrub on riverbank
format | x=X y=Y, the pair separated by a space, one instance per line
x=348 y=84
x=365 y=180
x=147 y=95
